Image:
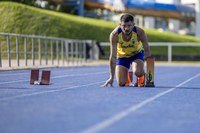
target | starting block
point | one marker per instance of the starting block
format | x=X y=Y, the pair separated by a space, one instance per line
x=150 y=72
x=34 y=78
x=45 y=77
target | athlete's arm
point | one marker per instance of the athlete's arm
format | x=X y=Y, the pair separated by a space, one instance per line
x=113 y=54
x=143 y=38
x=113 y=57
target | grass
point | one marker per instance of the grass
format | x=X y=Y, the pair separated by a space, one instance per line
x=23 y=19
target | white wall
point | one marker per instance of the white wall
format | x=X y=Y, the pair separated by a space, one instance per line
x=188 y=1
x=165 y=1
x=139 y=20
x=173 y=25
x=149 y=22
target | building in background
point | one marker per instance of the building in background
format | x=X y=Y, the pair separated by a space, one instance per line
x=176 y=16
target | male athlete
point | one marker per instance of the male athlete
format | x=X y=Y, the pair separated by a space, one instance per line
x=128 y=44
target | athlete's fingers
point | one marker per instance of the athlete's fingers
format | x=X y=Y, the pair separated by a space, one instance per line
x=110 y=84
x=105 y=84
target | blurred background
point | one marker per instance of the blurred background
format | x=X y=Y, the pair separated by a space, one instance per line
x=172 y=27
x=179 y=16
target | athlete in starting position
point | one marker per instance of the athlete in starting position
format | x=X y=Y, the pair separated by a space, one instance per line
x=128 y=44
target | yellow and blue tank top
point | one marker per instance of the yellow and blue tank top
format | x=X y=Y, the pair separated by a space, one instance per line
x=128 y=48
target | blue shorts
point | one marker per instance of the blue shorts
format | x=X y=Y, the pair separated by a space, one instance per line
x=126 y=61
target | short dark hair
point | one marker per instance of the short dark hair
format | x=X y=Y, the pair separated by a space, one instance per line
x=126 y=18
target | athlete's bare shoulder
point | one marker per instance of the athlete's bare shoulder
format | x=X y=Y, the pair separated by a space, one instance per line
x=114 y=34
x=115 y=31
x=140 y=31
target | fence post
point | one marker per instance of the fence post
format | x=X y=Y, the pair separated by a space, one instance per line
x=0 y=55
x=96 y=50
x=66 y=51
x=17 y=50
x=72 y=52
x=33 y=52
x=52 y=53
x=84 y=51
x=169 y=52
x=76 y=51
x=39 y=51
x=46 y=52
x=79 y=52
x=57 y=52
x=62 y=51
x=8 y=45
x=25 y=51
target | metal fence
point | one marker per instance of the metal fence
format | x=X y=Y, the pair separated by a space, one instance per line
x=17 y=50
x=169 y=46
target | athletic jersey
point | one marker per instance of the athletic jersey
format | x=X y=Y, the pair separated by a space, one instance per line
x=128 y=48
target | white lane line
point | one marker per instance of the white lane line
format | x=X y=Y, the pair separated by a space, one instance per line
x=48 y=91
x=55 y=77
x=108 y=122
x=75 y=75
x=23 y=72
x=12 y=74
x=15 y=81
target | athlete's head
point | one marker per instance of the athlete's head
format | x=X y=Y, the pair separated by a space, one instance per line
x=127 y=23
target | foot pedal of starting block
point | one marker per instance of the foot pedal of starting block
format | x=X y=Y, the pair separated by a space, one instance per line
x=150 y=72
x=45 y=77
x=34 y=76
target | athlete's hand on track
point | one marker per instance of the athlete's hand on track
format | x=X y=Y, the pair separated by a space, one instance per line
x=109 y=81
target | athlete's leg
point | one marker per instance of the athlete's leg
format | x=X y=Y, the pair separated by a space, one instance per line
x=121 y=75
x=139 y=72
x=138 y=67
x=138 y=64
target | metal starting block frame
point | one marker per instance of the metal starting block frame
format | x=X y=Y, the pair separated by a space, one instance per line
x=149 y=76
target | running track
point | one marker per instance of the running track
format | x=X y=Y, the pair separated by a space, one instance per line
x=75 y=102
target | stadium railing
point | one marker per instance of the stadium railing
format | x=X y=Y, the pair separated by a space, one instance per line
x=169 y=46
x=18 y=50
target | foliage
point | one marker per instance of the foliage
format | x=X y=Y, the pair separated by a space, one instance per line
x=23 y=19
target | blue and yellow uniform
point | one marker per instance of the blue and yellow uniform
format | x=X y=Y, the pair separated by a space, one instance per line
x=128 y=51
